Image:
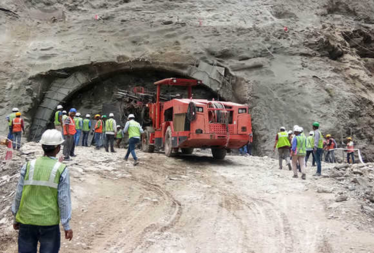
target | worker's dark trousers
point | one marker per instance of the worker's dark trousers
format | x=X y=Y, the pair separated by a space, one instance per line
x=132 y=143
x=318 y=155
x=17 y=140
x=330 y=156
x=85 y=139
x=68 y=145
x=351 y=155
x=308 y=152
x=10 y=134
x=48 y=236
x=109 y=141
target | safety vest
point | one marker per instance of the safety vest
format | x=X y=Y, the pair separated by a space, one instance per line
x=300 y=145
x=309 y=143
x=11 y=117
x=109 y=125
x=72 y=129
x=99 y=126
x=283 y=140
x=17 y=125
x=39 y=201
x=350 y=147
x=320 y=141
x=86 y=125
x=134 y=129
x=64 y=116
x=119 y=134
x=77 y=121
x=57 y=121
x=332 y=146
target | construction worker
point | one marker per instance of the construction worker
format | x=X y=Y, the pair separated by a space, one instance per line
x=298 y=152
x=350 y=150
x=282 y=143
x=58 y=118
x=43 y=199
x=64 y=115
x=135 y=130
x=98 y=131
x=86 y=130
x=309 y=149
x=78 y=127
x=17 y=128
x=110 y=132
x=318 y=147
x=331 y=145
x=69 y=132
x=119 y=136
x=10 y=118
x=104 y=118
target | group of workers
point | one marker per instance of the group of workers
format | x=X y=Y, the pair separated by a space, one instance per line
x=106 y=132
x=296 y=146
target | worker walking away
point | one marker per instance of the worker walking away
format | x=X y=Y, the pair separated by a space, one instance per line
x=17 y=128
x=135 y=130
x=283 y=145
x=98 y=131
x=119 y=136
x=69 y=132
x=63 y=118
x=331 y=145
x=350 y=150
x=318 y=147
x=86 y=130
x=43 y=199
x=309 y=149
x=298 y=152
x=104 y=118
x=10 y=118
x=58 y=118
x=110 y=132
x=78 y=127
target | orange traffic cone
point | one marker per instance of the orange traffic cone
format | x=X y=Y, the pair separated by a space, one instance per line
x=9 y=152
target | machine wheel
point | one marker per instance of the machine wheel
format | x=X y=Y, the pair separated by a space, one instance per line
x=187 y=151
x=146 y=146
x=219 y=153
x=168 y=145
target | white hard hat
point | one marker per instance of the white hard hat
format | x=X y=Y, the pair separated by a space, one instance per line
x=78 y=114
x=111 y=115
x=131 y=116
x=290 y=132
x=64 y=112
x=118 y=126
x=295 y=128
x=52 y=137
x=59 y=107
x=282 y=128
x=87 y=115
x=311 y=133
x=301 y=129
x=15 y=109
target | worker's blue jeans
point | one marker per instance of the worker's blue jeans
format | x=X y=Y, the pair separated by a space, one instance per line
x=243 y=150
x=48 y=236
x=77 y=136
x=318 y=156
x=85 y=138
x=132 y=143
x=98 y=140
x=17 y=140
x=351 y=155
x=10 y=134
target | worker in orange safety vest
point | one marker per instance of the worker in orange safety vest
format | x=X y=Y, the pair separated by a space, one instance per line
x=69 y=132
x=350 y=150
x=17 y=128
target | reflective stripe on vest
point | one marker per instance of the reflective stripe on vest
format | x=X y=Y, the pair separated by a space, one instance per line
x=134 y=129
x=57 y=121
x=17 y=125
x=86 y=125
x=320 y=141
x=309 y=142
x=99 y=126
x=300 y=145
x=109 y=125
x=49 y=183
x=77 y=121
x=283 y=140
x=72 y=130
x=11 y=117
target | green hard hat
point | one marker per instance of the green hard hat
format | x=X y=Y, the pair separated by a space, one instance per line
x=316 y=124
x=104 y=116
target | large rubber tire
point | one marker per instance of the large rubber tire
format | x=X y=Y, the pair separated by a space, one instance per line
x=219 y=153
x=168 y=148
x=146 y=146
x=187 y=151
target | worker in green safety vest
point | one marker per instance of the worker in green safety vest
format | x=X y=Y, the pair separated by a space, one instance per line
x=135 y=130
x=78 y=126
x=298 y=152
x=10 y=119
x=86 y=130
x=119 y=136
x=309 y=149
x=317 y=147
x=110 y=132
x=43 y=199
x=283 y=145
x=58 y=118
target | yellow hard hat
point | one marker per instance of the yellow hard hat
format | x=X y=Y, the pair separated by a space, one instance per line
x=97 y=115
x=349 y=138
x=328 y=135
x=18 y=114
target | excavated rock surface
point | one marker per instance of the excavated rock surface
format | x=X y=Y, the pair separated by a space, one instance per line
x=319 y=68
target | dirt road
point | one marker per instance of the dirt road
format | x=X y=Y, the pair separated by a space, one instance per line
x=197 y=204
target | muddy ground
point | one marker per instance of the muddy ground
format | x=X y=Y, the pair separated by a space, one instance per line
x=196 y=204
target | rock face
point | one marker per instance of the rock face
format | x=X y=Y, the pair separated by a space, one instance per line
x=293 y=63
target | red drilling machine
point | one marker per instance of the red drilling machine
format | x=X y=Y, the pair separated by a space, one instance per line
x=176 y=123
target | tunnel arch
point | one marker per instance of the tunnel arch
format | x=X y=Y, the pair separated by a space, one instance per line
x=65 y=83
